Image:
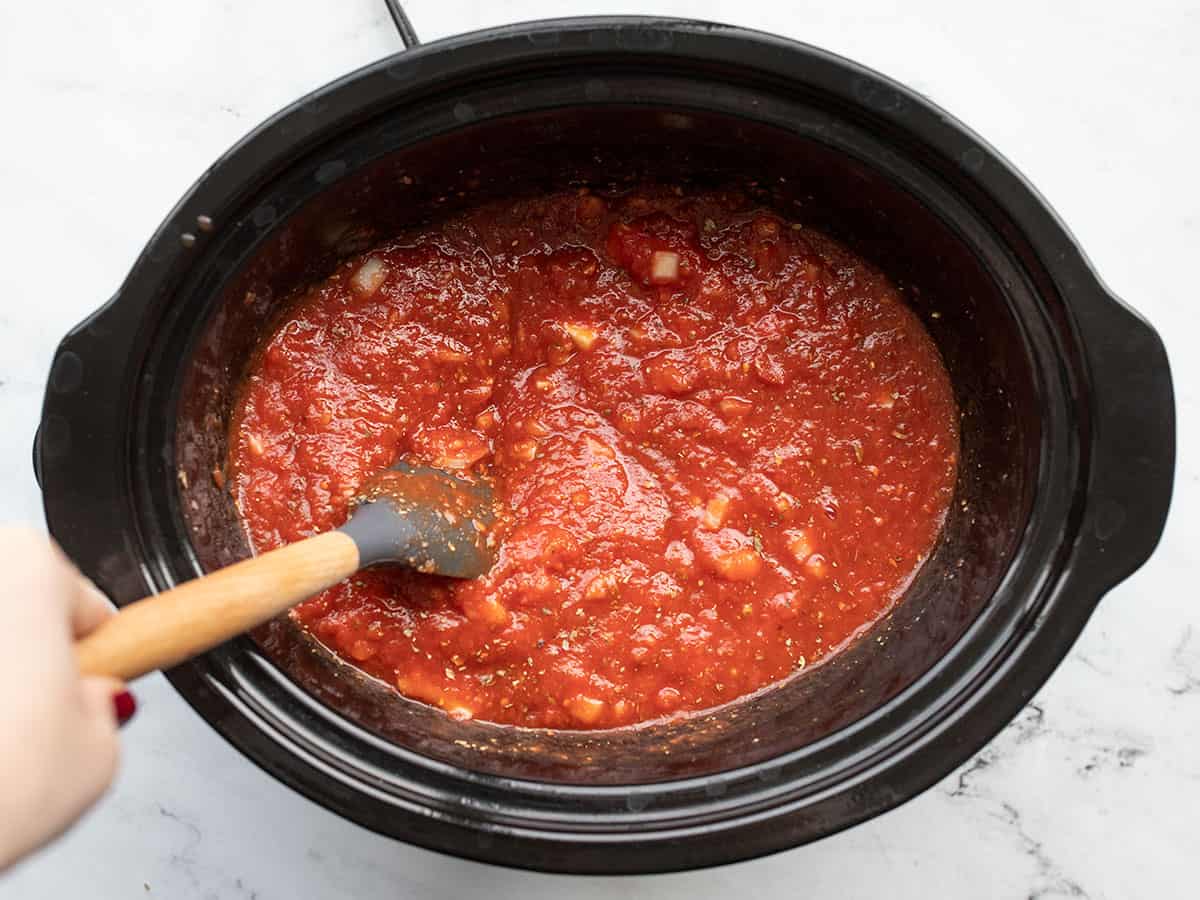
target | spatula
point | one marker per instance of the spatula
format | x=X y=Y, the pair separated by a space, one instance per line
x=416 y=516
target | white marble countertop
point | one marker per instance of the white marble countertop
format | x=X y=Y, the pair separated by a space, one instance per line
x=112 y=110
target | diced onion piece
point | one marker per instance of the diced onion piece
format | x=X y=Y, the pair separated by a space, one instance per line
x=602 y=587
x=734 y=407
x=816 y=566
x=599 y=448
x=486 y=420
x=369 y=277
x=536 y=428
x=739 y=565
x=668 y=698
x=583 y=336
x=446 y=355
x=799 y=545
x=769 y=368
x=254 y=442
x=480 y=393
x=664 y=267
x=420 y=688
x=524 y=450
x=455 y=448
x=680 y=556
x=715 y=511
x=559 y=354
x=584 y=709
x=485 y=610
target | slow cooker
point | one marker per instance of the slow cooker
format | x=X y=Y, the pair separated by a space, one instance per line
x=1065 y=395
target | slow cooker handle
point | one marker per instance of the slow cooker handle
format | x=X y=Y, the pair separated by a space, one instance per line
x=1132 y=462
x=37 y=455
x=408 y=36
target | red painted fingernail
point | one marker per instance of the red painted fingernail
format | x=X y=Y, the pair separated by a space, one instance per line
x=125 y=706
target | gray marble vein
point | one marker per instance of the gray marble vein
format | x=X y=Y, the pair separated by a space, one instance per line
x=1185 y=663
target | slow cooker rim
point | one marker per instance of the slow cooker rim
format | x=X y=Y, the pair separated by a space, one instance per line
x=166 y=242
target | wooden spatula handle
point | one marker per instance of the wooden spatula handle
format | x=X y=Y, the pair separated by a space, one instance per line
x=165 y=629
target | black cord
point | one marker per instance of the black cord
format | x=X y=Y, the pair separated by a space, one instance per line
x=407 y=36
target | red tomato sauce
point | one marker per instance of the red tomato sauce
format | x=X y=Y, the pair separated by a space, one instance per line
x=723 y=446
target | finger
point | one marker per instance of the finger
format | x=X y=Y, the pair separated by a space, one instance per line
x=89 y=607
x=36 y=573
x=103 y=686
x=99 y=744
x=87 y=754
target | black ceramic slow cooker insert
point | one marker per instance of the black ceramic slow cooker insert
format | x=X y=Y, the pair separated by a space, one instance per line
x=1065 y=473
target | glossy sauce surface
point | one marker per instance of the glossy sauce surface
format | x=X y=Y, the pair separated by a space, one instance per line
x=722 y=447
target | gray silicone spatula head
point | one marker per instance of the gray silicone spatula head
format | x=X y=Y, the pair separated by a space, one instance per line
x=426 y=519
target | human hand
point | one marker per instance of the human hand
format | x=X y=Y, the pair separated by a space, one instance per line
x=58 y=729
